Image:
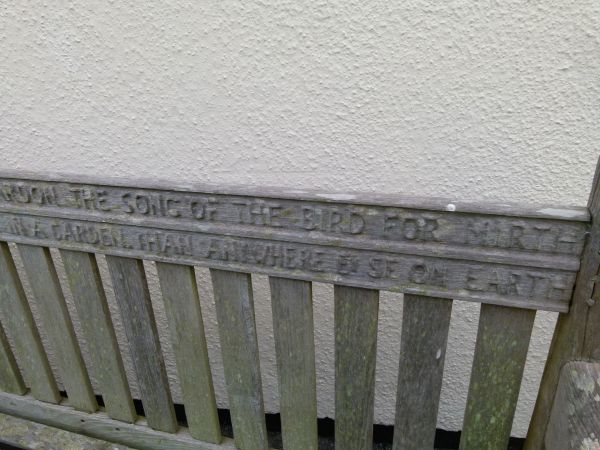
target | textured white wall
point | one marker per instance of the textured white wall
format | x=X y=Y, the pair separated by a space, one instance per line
x=471 y=100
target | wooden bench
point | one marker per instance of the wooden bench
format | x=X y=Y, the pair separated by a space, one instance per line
x=513 y=260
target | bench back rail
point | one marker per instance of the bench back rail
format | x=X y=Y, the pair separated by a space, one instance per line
x=513 y=260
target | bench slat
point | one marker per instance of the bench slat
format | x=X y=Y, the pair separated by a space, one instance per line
x=182 y=305
x=239 y=347
x=356 y=313
x=295 y=351
x=131 y=291
x=425 y=324
x=500 y=354
x=10 y=377
x=90 y=301
x=58 y=326
x=19 y=323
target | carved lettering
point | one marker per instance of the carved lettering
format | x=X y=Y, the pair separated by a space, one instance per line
x=204 y=209
x=423 y=274
x=410 y=228
x=151 y=205
x=434 y=275
x=26 y=193
x=397 y=231
x=331 y=220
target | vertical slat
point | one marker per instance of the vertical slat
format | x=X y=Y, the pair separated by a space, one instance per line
x=19 y=324
x=239 y=347
x=10 y=377
x=133 y=297
x=182 y=305
x=356 y=313
x=58 y=326
x=500 y=354
x=295 y=351
x=425 y=324
x=90 y=301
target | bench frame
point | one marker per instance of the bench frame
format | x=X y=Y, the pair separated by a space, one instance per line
x=512 y=259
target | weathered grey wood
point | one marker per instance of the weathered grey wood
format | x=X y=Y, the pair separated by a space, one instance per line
x=26 y=434
x=576 y=333
x=356 y=313
x=92 y=308
x=536 y=281
x=575 y=418
x=524 y=257
x=19 y=324
x=58 y=326
x=500 y=354
x=89 y=192
x=100 y=426
x=239 y=347
x=295 y=350
x=165 y=236
x=10 y=376
x=425 y=324
x=182 y=305
x=591 y=341
x=131 y=291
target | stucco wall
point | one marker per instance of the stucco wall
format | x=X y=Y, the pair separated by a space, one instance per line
x=471 y=100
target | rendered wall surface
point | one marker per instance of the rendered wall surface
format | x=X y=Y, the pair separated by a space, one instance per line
x=469 y=100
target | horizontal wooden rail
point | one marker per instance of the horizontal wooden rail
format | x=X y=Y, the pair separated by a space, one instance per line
x=524 y=257
x=100 y=426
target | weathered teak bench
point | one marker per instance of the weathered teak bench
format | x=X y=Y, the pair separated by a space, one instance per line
x=513 y=260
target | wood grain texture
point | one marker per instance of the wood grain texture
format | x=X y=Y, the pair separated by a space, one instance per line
x=19 y=324
x=576 y=334
x=57 y=325
x=182 y=305
x=575 y=418
x=355 y=314
x=295 y=350
x=498 y=276
x=131 y=291
x=92 y=308
x=425 y=324
x=500 y=354
x=448 y=250
x=100 y=426
x=10 y=376
x=71 y=182
x=239 y=347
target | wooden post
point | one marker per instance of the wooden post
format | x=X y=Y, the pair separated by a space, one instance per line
x=575 y=419
x=576 y=336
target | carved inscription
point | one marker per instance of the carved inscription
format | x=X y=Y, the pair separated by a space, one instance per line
x=548 y=289
x=312 y=218
x=497 y=258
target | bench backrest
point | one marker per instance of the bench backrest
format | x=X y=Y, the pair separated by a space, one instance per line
x=514 y=260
